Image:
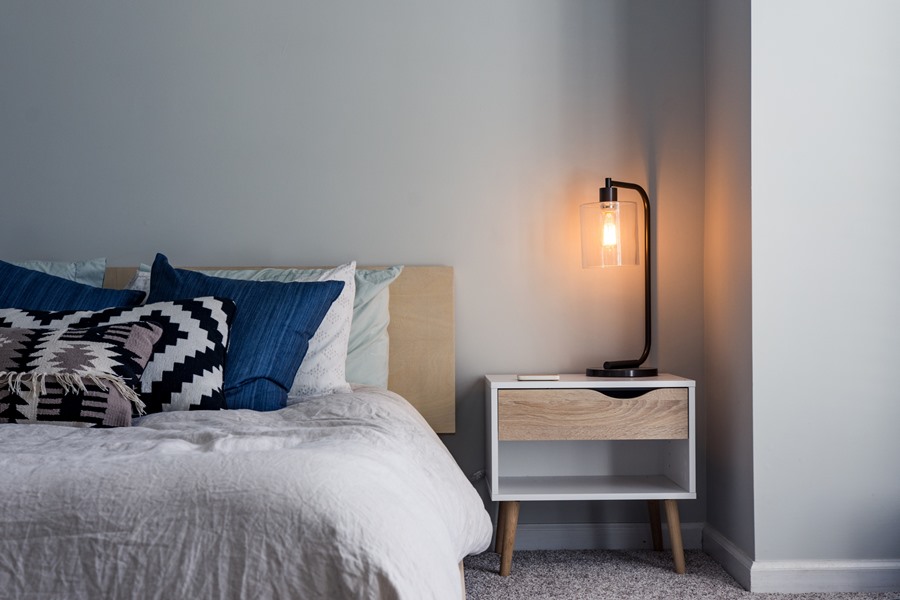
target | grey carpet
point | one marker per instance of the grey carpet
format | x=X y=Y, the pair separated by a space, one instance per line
x=611 y=574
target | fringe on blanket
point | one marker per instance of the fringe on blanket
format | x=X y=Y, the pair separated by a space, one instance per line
x=34 y=384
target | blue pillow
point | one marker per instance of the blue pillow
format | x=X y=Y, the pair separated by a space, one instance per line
x=33 y=290
x=270 y=333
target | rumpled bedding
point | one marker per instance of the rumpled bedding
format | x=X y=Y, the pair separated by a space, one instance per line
x=344 y=496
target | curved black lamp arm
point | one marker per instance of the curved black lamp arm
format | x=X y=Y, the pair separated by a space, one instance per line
x=631 y=364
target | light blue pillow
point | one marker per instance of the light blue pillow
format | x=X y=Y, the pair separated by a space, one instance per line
x=270 y=333
x=32 y=290
x=88 y=272
x=369 y=346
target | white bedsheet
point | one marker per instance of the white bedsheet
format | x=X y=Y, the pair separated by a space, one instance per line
x=346 y=496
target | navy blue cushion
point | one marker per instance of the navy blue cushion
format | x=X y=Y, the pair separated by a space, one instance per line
x=33 y=290
x=270 y=332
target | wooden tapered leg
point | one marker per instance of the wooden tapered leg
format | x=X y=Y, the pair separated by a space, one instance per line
x=675 y=535
x=510 y=521
x=655 y=524
x=462 y=578
x=498 y=543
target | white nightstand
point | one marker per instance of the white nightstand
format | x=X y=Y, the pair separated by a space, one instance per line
x=590 y=438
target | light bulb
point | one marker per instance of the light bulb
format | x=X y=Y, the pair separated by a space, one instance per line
x=610 y=242
x=607 y=234
x=610 y=230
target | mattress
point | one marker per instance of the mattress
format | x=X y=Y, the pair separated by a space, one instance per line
x=344 y=496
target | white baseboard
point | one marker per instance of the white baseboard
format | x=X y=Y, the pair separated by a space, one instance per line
x=801 y=576
x=599 y=536
x=734 y=560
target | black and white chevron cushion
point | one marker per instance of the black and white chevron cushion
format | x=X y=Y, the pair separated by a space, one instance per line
x=186 y=370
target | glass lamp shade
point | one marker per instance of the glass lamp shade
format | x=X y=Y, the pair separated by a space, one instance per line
x=609 y=234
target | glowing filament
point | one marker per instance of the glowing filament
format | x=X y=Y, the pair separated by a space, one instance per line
x=610 y=230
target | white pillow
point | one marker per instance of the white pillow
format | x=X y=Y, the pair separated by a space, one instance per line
x=140 y=281
x=323 y=370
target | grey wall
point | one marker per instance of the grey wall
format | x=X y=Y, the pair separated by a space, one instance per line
x=468 y=134
x=826 y=279
x=462 y=133
x=727 y=307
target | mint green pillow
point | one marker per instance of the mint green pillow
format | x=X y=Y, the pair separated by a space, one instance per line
x=368 y=349
x=88 y=272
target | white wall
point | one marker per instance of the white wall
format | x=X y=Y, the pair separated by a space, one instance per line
x=463 y=133
x=727 y=284
x=801 y=288
x=826 y=279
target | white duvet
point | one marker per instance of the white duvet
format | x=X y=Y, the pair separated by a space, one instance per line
x=345 y=496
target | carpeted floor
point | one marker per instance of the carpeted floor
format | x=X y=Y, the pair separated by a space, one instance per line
x=615 y=575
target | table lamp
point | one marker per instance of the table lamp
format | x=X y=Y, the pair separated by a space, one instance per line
x=609 y=239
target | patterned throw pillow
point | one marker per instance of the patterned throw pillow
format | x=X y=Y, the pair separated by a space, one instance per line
x=80 y=377
x=186 y=370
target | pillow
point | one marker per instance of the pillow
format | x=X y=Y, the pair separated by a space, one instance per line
x=79 y=377
x=324 y=366
x=140 y=281
x=368 y=346
x=186 y=370
x=88 y=272
x=367 y=350
x=24 y=288
x=271 y=330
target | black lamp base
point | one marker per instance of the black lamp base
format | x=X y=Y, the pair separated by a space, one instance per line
x=629 y=372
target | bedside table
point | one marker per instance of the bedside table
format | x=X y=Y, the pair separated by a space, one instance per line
x=590 y=438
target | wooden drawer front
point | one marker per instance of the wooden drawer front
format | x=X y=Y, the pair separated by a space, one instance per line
x=583 y=414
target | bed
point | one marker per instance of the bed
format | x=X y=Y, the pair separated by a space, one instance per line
x=349 y=494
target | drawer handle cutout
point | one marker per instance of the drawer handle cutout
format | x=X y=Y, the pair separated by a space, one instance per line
x=629 y=394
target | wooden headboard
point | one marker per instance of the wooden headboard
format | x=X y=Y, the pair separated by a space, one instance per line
x=422 y=333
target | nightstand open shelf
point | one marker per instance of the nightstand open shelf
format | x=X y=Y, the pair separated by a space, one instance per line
x=585 y=438
x=590 y=487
